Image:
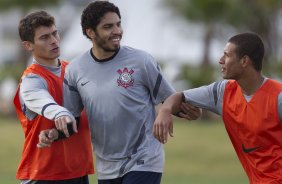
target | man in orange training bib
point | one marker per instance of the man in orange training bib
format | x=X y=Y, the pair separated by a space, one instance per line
x=38 y=101
x=249 y=103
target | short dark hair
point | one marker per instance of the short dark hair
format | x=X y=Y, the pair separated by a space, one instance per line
x=31 y=22
x=92 y=14
x=249 y=44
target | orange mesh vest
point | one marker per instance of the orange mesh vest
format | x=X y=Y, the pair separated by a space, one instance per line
x=65 y=159
x=255 y=130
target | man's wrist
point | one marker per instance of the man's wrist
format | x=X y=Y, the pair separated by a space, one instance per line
x=164 y=110
x=61 y=134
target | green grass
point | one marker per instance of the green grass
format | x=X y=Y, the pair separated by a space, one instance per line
x=199 y=153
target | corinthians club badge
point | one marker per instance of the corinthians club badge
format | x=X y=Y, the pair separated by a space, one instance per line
x=125 y=78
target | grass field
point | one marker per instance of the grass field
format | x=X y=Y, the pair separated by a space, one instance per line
x=199 y=153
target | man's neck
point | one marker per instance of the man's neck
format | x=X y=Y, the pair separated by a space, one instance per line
x=250 y=85
x=50 y=62
x=100 y=54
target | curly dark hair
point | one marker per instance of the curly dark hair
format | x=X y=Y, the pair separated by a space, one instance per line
x=251 y=45
x=92 y=14
x=31 y=22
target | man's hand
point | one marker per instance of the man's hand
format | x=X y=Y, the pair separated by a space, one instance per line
x=189 y=111
x=61 y=124
x=47 y=137
x=163 y=126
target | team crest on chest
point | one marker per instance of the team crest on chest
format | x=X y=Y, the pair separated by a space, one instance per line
x=125 y=78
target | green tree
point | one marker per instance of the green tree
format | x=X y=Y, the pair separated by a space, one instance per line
x=25 y=4
x=259 y=16
x=262 y=17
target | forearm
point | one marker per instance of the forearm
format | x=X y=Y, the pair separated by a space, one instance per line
x=43 y=104
x=37 y=99
x=172 y=104
x=163 y=124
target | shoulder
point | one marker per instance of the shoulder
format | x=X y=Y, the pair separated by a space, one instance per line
x=271 y=87
x=64 y=63
x=33 y=71
x=215 y=87
x=31 y=76
x=220 y=85
x=274 y=83
x=126 y=50
x=79 y=60
x=33 y=81
x=33 y=68
x=231 y=84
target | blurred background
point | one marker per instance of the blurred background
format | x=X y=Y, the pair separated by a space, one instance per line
x=187 y=38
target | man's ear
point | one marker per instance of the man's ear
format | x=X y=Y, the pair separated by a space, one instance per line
x=27 y=45
x=90 y=33
x=246 y=61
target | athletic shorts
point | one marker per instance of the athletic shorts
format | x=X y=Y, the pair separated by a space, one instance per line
x=135 y=177
x=80 y=180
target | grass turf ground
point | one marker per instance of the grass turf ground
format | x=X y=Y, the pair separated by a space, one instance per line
x=199 y=153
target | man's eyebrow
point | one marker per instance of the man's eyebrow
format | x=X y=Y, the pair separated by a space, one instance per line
x=48 y=34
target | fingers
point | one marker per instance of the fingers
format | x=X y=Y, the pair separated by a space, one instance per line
x=190 y=112
x=74 y=126
x=187 y=116
x=53 y=134
x=163 y=131
x=44 y=140
x=162 y=128
x=160 y=133
x=42 y=145
x=61 y=124
x=171 y=130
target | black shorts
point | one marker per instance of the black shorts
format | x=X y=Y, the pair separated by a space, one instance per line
x=135 y=177
x=80 y=180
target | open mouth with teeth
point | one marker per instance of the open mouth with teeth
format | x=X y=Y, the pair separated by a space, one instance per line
x=115 y=40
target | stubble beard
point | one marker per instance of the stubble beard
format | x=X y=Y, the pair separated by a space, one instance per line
x=103 y=45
